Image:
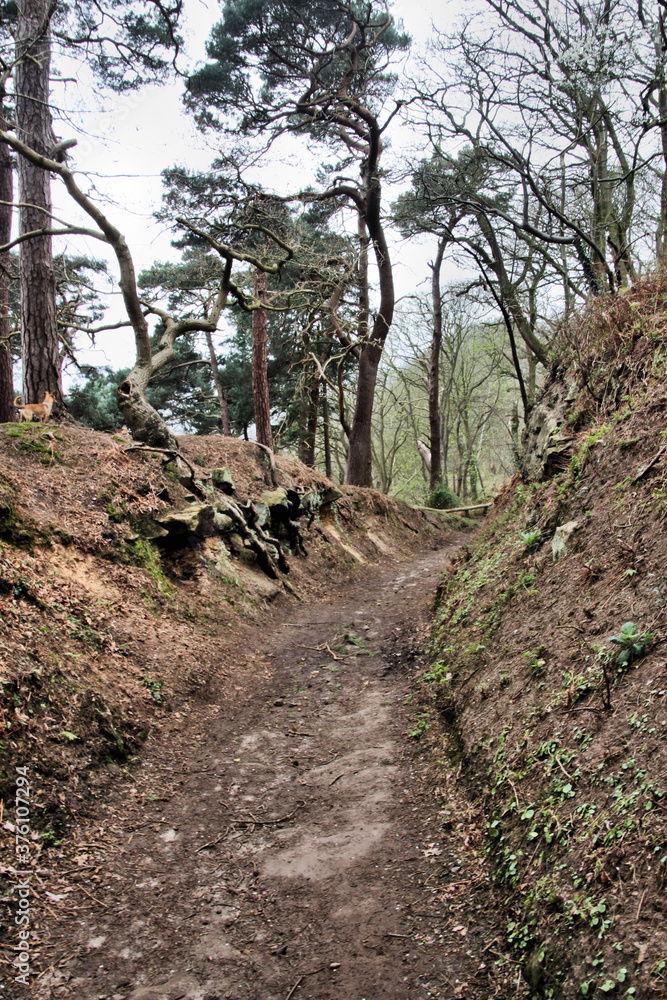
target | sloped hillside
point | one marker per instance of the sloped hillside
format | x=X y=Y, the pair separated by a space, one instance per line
x=548 y=669
x=128 y=585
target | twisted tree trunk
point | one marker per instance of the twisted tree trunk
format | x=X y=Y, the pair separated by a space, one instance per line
x=360 y=459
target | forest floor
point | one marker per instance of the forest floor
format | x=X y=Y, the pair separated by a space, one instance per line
x=284 y=837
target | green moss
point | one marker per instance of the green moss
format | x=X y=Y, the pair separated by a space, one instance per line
x=142 y=553
x=32 y=441
x=115 y=513
x=62 y=536
x=18 y=531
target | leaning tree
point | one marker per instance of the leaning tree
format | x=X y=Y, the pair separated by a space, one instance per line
x=319 y=70
x=247 y=241
x=307 y=315
x=126 y=45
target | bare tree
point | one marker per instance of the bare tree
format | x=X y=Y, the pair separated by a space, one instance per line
x=565 y=98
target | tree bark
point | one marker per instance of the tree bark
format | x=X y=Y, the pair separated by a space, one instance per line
x=260 y=382
x=661 y=234
x=145 y=423
x=39 y=330
x=309 y=428
x=359 y=460
x=325 y=431
x=6 y=197
x=222 y=401
x=435 y=468
x=362 y=279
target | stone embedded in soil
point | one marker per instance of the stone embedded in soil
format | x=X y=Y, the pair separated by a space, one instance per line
x=560 y=539
x=197 y=519
x=222 y=480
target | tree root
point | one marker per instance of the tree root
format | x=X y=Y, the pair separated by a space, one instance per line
x=272 y=462
x=259 y=541
x=174 y=455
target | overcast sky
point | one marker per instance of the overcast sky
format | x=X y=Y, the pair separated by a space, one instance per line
x=125 y=142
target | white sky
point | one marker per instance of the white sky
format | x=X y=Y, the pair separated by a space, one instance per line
x=125 y=142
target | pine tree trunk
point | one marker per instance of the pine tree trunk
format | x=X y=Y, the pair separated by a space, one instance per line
x=222 y=401
x=359 y=459
x=435 y=476
x=325 y=431
x=39 y=332
x=309 y=426
x=260 y=382
x=6 y=197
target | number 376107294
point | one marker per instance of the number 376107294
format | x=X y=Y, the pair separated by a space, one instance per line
x=22 y=815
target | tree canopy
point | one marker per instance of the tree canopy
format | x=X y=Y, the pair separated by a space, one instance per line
x=538 y=175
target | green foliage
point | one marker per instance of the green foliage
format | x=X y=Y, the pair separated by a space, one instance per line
x=439 y=672
x=126 y=43
x=50 y=838
x=442 y=498
x=531 y=539
x=535 y=663
x=183 y=394
x=155 y=688
x=422 y=726
x=93 y=401
x=259 y=61
x=631 y=645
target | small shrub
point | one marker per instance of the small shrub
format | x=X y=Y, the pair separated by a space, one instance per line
x=532 y=539
x=632 y=645
x=442 y=498
x=440 y=672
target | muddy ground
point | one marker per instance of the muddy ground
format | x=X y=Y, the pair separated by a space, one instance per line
x=295 y=846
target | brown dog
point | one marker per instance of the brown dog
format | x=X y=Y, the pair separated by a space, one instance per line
x=40 y=410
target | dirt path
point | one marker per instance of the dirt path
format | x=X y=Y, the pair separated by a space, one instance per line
x=293 y=850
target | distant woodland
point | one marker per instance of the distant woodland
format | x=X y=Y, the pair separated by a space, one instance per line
x=537 y=173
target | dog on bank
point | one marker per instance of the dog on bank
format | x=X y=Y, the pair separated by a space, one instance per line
x=40 y=410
